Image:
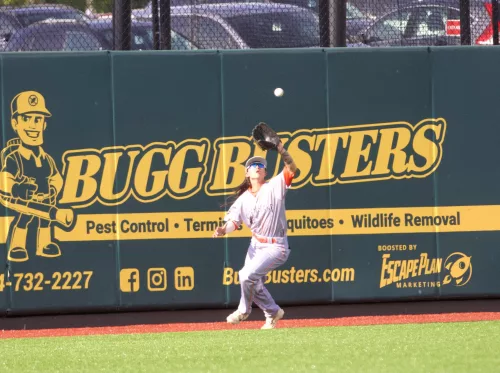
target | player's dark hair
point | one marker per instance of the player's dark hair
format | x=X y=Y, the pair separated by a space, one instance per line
x=243 y=187
x=240 y=189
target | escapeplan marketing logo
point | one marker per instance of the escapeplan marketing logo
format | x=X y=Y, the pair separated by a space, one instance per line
x=457 y=270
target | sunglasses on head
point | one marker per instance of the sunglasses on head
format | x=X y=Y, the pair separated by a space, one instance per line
x=257 y=164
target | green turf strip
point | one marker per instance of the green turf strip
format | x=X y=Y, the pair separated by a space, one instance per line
x=449 y=347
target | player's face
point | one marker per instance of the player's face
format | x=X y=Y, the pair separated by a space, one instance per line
x=256 y=171
x=30 y=128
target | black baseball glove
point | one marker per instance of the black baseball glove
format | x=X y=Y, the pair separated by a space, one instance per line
x=265 y=137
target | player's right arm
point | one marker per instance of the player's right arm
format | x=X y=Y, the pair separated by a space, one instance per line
x=233 y=220
x=229 y=227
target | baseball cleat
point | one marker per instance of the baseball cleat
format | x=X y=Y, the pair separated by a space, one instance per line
x=272 y=321
x=236 y=317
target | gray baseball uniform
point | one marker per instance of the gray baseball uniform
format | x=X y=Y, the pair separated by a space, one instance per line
x=265 y=215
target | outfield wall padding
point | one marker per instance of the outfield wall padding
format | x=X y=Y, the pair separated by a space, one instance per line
x=397 y=197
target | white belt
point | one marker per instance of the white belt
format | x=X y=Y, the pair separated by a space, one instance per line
x=271 y=240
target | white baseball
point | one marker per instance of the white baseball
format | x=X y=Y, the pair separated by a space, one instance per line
x=278 y=92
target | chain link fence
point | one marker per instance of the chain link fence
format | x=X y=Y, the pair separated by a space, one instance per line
x=67 y=25
x=430 y=22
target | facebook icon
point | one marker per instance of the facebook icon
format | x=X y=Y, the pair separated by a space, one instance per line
x=129 y=280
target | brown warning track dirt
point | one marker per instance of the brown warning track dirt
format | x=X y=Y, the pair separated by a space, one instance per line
x=295 y=317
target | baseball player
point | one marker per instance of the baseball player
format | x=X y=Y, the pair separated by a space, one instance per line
x=261 y=206
x=30 y=174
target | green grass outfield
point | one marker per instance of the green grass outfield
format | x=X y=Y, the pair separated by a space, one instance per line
x=448 y=347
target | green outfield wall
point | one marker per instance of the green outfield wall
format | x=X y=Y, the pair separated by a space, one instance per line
x=397 y=197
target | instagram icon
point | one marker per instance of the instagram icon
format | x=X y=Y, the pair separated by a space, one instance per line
x=157 y=279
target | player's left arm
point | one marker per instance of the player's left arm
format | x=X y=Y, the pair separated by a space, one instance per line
x=290 y=166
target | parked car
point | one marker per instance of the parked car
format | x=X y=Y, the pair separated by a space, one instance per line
x=355 y=19
x=13 y=18
x=426 y=23
x=8 y=25
x=71 y=35
x=245 y=25
x=141 y=37
x=378 y=8
x=27 y=15
x=55 y=35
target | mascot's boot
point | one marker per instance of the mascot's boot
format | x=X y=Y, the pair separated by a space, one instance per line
x=44 y=245
x=17 y=247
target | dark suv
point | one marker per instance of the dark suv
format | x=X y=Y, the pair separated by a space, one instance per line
x=27 y=15
x=355 y=19
x=72 y=35
x=141 y=35
x=13 y=18
x=243 y=25
x=55 y=35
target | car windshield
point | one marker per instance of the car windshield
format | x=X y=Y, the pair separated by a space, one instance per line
x=352 y=12
x=27 y=19
x=277 y=30
x=62 y=39
x=142 y=37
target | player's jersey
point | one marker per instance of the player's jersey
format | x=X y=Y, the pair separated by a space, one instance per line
x=264 y=213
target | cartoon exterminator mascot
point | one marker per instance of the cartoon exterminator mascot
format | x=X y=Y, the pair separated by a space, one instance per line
x=29 y=179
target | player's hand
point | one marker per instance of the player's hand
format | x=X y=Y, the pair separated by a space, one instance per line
x=24 y=190
x=219 y=232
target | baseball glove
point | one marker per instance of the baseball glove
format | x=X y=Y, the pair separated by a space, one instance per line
x=265 y=137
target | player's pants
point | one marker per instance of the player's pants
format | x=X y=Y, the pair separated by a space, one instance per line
x=260 y=260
